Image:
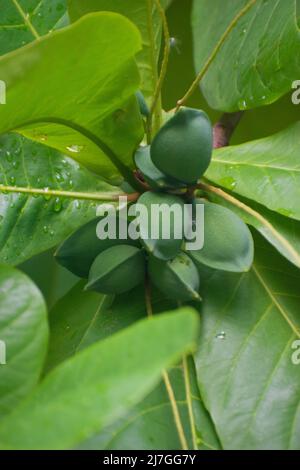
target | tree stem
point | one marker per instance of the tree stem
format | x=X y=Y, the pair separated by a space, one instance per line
x=225 y=127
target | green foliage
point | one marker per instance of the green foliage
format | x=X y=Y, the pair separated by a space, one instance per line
x=245 y=371
x=146 y=17
x=99 y=384
x=259 y=59
x=82 y=318
x=24 y=332
x=265 y=170
x=30 y=223
x=99 y=128
x=87 y=110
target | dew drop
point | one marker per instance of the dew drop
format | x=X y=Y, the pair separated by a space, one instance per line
x=12 y=180
x=75 y=148
x=57 y=205
x=46 y=195
x=45 y=229
x=243 y=104
x=9 y=156
x=221 y=335
x=59 y=178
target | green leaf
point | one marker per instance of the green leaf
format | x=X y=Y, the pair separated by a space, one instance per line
x=150 y=424
x=82 y=318
x=70 y=103
x=99 y=385
x=245 y=370
x=146 y=17
x=22 y=22
x=283 y=233
x=228 y=243
x=24 y=333
x=265 y=170
x=256 y=64
x=30 y=224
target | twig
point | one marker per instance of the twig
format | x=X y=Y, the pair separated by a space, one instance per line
x=46 y=192
x=165 y=60
x=166 y=379
x=217 y=48
x=189 y=401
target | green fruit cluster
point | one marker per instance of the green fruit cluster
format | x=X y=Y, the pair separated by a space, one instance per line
x=178 y=156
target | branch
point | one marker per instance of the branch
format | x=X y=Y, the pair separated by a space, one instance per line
x=46 y=192
x=224 y=128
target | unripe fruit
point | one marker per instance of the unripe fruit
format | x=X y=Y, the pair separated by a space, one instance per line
x=183 y=146
x=158 y=214
x=117 y=270
x=152 y=175
x=79 y=250
x=178 y=279
x=228 y=243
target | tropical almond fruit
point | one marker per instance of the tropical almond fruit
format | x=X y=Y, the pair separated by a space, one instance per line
x=116 y=270
x=182 y=148
x=152 y=175
x=178 y=279
x=79 y=250
x=161 y=220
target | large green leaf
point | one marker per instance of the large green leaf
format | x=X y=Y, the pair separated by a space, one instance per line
x=24 y=332
x=22 y=21
x=244 y=363
x=283 y=233
x=72 y=104
x=145 y=15
x=259 y=59
x=99 y=385
x=82 y=318
x=265 y=170
x=30 y=224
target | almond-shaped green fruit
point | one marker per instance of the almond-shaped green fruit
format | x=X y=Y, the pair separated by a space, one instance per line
x=79 y=250
x=228 y=243
x=178 y=279
x=152 y=175
x=161 y=219
x=117 y=270
x=182 y=148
